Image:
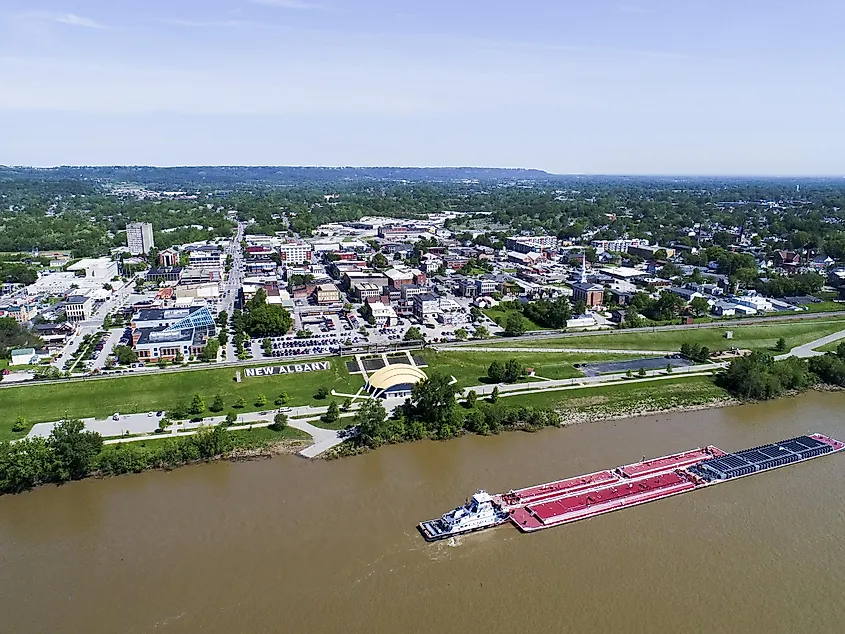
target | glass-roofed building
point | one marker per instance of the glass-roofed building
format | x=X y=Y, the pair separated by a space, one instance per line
x=165 y=333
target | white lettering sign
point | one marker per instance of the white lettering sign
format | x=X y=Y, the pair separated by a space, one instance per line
x=288 y=369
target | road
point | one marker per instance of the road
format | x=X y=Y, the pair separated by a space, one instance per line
x=639 y=353
x=93 y=324
x=234 y=282
x=142 y=427
x=729 y=323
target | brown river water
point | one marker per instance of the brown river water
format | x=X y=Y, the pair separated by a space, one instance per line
x=288 y=545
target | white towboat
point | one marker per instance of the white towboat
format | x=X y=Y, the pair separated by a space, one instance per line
x=480 y=511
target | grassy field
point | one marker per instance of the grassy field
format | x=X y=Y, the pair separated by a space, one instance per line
x=625 y=398
x=756 y=337
x=242 y=438
x=824 y=307
x=103 y=397
x=830 y=347
x=500 y=316
x=470 y=368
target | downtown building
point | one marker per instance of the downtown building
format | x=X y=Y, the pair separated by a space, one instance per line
x=139 y=238
x=166 y=333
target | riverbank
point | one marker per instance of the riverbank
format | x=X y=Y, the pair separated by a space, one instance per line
x=592 y=405
x=32 y=462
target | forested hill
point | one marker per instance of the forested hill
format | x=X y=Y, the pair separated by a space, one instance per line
x=225 y=176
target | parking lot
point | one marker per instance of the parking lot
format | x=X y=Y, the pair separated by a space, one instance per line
x=651 y=363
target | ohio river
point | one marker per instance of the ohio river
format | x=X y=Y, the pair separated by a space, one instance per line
x=287 y=545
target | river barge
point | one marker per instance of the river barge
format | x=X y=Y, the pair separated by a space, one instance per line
x=563 y=501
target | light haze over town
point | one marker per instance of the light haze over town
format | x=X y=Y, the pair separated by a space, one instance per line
x=630 y=86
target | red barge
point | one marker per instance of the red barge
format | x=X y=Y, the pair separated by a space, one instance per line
x=563 y=501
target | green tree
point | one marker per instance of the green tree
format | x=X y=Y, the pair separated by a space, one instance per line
x=280 y=422
x=641 y=372
x=197 y=405
x=471 y=398
x=699 y=306
x=74 y=449
x=496 y=371
x=269 y=321
x=332 y=414
x=24 y=464
x=780 y=346
x=629 y=374
x=178 y=358
x=494 y=395
x=218 y=404
x=282 y=399
x=370 y=421
x=223 y=337
x=513 y=371
x=481 y=332
x=267 y=346
x=413 y=334
x=209 y=353
x=322 y=392
x=211 y=442
x=231 y=418
x=125 y=355
x=515 y=325
x=240 y=403
x=257 y=301
x=20 y=425
x=476 y=422
x=379 y=261
x=261 y=401
x=346 y=405
x=179 y=410
x=668 y=368
x=461 y=334
x=433 y=401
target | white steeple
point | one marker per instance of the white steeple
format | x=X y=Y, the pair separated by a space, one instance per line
x=583 y=268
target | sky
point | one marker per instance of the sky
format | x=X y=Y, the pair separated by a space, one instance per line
x=728 y=87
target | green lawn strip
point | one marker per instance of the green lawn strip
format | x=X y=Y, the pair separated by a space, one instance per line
x=830 y=347
x=470 y=368
x=243 y=438
x=824 y=307
x=756 y=337
x=624 y=398
x=500 y=316
x=4 y=365
x=103 y=397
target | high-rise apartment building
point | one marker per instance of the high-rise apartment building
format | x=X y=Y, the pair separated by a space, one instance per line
x=139 y=238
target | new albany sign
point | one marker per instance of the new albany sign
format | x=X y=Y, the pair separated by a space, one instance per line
x=288 y=369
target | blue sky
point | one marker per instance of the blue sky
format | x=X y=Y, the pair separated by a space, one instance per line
x=594 y=86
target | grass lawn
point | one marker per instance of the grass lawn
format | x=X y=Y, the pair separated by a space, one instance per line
x=4 y=364
x=103 y=397
x=500 y=316
x=830 y=347
x=623 y=398
x=824 y=307
x=755 y=337
x=470 y=368
x=246 y=439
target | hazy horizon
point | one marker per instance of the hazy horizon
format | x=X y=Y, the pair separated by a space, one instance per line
x=630 y=87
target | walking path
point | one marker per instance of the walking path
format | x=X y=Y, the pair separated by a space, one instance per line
x=809 y=349
x=143 y=426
